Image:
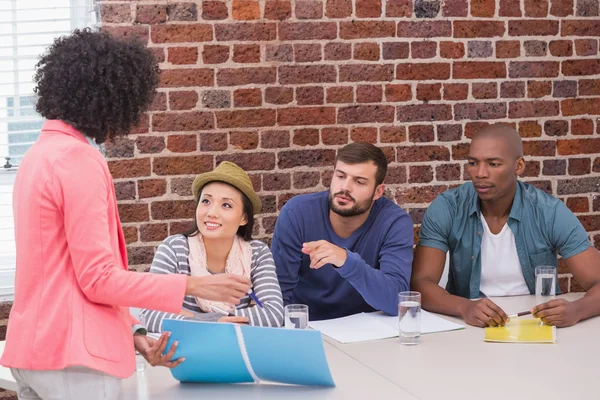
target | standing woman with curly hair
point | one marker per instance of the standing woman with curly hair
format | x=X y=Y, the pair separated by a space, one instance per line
x=70 y=334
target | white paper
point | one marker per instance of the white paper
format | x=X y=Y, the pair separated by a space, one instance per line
x=374 y=326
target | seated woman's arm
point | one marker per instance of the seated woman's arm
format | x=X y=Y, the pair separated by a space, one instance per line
x=267 y=290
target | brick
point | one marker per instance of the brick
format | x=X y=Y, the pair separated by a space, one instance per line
x=276 y=181
x=187 y=77
x=452 y=50
x=596 y=207
x=478 y=29
x=578 y=204
x=421 y=133
x=586 y=47
x=479 y=49
x=181 y=33
x=420 y=174
x=533 y=69
x=392 y=134
x=363 y=114
x=424 y=29
x=423 y=49
x=131 y=234
x=125 y=190
x=182 y=186
x=274 y=139
x=417 y=71
x=307 y=52
x=213 y=141
x=427 y=92
x=299 y=158
x=533 y=109
x=512 y=89
x=578 y=185
x=279 y=52
x=180 y=165
x=590 y=222
x=151 y=188
x=184 y=121
x=366 y=73
x=582 y=127
x=561 y=48
x=305 y=180
x=476 y=111
x=244 y=140
x=508 y=49
x=140 y=33
x=298 y=74
x=309 y=10
x=395 y=51
x=216 y=99
x=578 y=146
x=564 y=89
x=455 y=8
x=160 y=102
x=247 y=98
x=250 y=161
x=306 y=137
x=447 y=172
x=483 y=8
x=484 y=90
x=422 y=153
x=306 y=116
x=532 y=27
x=366 y=51
x=556 y=128
x=334 y=136
x=278 y=10
x=536 y=8
x=172 y=209
x=420 y=194
x=554 y=167
x=532 y=169
x=140 y=255
x=133 y=212
x=310 y=95
x=245 y=118
x=478 y=69
x=581 y=106
x=279 y=95
x=367 y=29
x=182 y=143
x=307 y=31
x=580 y=166
x=146 y=14
x=364 y=134
x=398 y=92
x=246 y=53
x=338 y=51
x=395 y=175
x=589 y=87
x=182 y=12
x=338 y=8
x=510 y=8
x=537 y=89
x=153 y=232
x=283 y=198
x=449 y=133
x=368 y=8
x=246 y=76
x=116 y=13
x=120 y=147
x=214 y=10
x=245 y=10
x=129 y=168
x=561 y=8
x=150 y=144
x=246 y=31
x=216 y=54
x=539 y=148
x=183 y=55
x=426 y=8
x=183 y=100
x=471 y=128
x=529 y=129
x=399 y=8
x=340 y=94
x=535 y=48
x=369 y=94
x=456 y=91
x=587 y=8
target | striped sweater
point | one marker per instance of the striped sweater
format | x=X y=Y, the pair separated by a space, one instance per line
x=172 y=258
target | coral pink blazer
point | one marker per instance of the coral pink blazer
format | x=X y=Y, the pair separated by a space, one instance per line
x=72 y=287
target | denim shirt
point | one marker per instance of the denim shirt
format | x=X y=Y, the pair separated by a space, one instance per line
x=542 y=225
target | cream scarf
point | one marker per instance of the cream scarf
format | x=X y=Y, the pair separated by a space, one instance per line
x=239 y=261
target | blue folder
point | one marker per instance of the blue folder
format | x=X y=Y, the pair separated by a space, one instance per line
x=213 y=354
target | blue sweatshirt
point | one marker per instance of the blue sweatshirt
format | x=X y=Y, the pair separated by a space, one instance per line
x=377 y=267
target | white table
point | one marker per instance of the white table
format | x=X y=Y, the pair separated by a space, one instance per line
x=460 y=365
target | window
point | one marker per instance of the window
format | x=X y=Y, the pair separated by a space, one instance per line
x=27 y=27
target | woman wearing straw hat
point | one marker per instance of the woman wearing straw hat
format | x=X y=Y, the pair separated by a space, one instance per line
x=221 y=242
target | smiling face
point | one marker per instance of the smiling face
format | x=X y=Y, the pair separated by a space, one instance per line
x=353 y=188
x=220 y=211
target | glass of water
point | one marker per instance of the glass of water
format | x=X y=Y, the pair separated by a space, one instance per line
x=545 y=284
x=296 y=316
x=409 y=314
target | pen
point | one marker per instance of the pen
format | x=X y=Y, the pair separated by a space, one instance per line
x=221 y=311
x=519 y=314
x=253 y=296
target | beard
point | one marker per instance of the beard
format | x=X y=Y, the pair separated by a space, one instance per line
x=358 y=208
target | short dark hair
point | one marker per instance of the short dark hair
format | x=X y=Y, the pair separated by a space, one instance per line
x=95 y=82
x=361 y=152
x=245 y=231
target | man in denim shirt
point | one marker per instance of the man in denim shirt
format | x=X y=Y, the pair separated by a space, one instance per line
x=497 y=230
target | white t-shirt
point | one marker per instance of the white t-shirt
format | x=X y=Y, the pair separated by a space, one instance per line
x=501 y=273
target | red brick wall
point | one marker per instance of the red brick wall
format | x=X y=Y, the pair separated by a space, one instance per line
x=277 y=86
